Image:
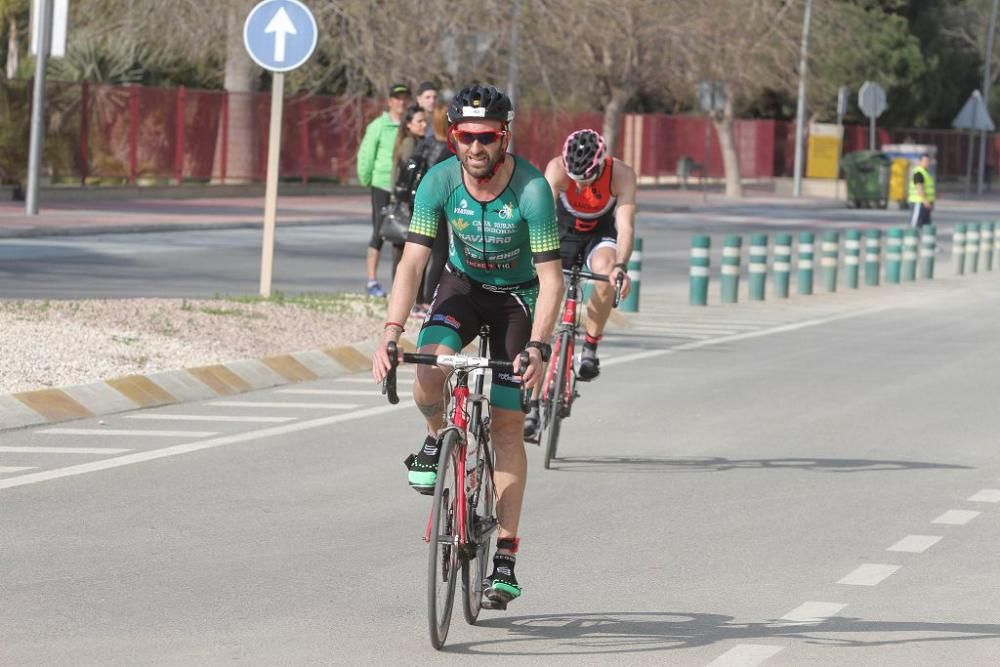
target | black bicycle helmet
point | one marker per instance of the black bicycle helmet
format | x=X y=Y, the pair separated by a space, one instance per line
x=583 y=154
x=478 y=102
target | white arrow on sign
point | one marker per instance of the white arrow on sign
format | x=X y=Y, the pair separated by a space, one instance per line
x=281 y=25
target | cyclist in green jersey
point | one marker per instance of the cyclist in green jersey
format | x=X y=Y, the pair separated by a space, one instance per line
x=503 y=270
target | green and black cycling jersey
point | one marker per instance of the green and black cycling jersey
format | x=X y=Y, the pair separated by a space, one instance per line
x=494 y=242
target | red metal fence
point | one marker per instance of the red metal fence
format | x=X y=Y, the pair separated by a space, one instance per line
x=100 y=134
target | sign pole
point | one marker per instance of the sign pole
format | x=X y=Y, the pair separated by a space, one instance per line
x=37 y=138
x=271 y=191
x=986 y=95
x=800 y=107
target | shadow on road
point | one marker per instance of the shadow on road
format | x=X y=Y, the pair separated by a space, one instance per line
x=634 y=632
x=722 y=464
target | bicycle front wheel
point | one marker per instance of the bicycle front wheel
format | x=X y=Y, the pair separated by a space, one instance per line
x=482 y=520
x=444 y=561
x=553 y=409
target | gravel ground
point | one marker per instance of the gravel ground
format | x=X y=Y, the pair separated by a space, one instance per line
x=63 y=343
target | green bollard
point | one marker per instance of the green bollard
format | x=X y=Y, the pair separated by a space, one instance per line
x=909 y=254
x=758 y=267
x=730 y=279
x=782 y=264
x=893 y=254
x=928 y=246
x=986 y=236
x=829 y=260
x=806 y=262
x=873 y=256
x=972 y=247
x=630 y=304
x=698 y=271
x=958 y=248
x=852 y=253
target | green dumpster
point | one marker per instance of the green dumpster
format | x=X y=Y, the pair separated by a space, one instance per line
x=867 y=174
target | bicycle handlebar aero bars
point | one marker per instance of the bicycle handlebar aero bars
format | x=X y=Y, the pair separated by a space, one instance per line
x=458 y=361
x=583 y=273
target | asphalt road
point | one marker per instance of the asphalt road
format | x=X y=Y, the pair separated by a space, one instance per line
x=814 y=482
x=330 y=258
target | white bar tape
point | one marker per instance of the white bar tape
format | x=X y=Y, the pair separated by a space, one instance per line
x=782 y=267
x=699 y=271
x=828 y=261
x=851 y=260
x=829 y=246
x=805 y=247
x=695 y=252
x=805 y=263
x=852 y=245
x=730 y=252
x=757 y=268
x=730 y=270
x=782 y=250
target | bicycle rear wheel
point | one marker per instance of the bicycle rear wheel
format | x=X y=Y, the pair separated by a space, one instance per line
x=552 y=411
x=482 y=526
x=444 y=561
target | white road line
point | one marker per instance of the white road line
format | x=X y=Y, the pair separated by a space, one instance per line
x=6 y=470
x=915 y=544
x=151 y=455
x=372 y=393
x=746 y=655
x=870 y=574
x=957 y=517
x=812 y=612
x=272 y=404
x=670 y=333
x=120 y=431
x=986 y=496
x=211 y=418
x=62 y=450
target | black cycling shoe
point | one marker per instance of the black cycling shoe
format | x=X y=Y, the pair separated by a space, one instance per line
x=502 y=583
x=531 y=423
x=590 y=366
x=423 y=466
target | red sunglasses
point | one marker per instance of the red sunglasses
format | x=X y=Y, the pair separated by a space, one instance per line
x=484 y=138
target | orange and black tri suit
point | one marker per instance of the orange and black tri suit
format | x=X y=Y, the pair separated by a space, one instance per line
x=586 y=217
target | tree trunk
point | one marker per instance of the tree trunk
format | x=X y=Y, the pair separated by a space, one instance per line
x=241 y=75
x=613 y=118
x=12 y=49
x=727 y=144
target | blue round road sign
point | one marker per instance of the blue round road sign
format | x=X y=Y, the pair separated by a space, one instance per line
x=280 y=35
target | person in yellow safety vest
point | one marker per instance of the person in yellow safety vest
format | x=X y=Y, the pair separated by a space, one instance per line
x=922 y=193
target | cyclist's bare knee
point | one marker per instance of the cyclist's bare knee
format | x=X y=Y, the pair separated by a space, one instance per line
x=507 y=429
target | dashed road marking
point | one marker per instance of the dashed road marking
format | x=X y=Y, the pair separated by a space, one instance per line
x=275 y=404
x=746 y=655
x=812 y=612
x=131 y=432
x=957 y=517
x=869 y=574
x=916 y=544
x=986 y=496
x=211 y=418
x=62 y=450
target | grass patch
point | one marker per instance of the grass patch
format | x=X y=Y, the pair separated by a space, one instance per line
x=339 y=303
x=233 y=312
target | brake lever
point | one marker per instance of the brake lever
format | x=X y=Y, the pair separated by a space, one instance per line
x=389 y=381
x=524 y=360
x=618 y=288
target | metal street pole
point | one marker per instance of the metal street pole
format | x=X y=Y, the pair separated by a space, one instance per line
x=986 y=94
x=37 y=140
x=512 y=65
x=800 y=111
x=271 y=189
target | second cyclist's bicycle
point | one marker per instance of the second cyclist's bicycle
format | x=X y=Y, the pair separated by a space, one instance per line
x=463 y=512
x=559 y=386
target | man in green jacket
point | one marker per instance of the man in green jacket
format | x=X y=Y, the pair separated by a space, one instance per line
x=375 y=171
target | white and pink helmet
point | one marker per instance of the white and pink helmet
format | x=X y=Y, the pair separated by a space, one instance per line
x=583 y=153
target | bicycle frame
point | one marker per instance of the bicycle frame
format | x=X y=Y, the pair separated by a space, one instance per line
x=565 y=335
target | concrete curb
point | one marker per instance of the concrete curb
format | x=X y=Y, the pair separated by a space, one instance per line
x=136 y=392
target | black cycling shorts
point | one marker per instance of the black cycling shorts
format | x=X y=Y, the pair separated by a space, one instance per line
x=460 y=307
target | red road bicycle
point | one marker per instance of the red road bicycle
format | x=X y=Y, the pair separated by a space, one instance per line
x=463 y=512
x=559 y=387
